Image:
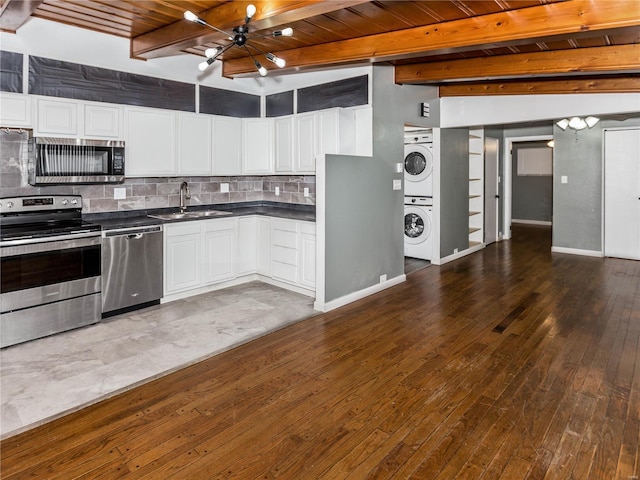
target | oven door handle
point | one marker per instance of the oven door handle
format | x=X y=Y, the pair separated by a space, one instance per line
x=53 y=238
x=61 y=242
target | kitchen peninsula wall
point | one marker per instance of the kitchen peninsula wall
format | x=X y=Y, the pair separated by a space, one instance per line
x=152 y=192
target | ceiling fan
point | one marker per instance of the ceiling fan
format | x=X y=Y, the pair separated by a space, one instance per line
x=240 y=37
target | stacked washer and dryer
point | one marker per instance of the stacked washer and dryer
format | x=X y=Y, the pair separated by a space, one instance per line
x=418 y=194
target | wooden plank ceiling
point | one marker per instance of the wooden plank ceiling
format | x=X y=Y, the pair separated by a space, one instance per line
x=467 y=47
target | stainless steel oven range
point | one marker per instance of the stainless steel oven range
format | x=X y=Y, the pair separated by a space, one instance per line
x=50 y=267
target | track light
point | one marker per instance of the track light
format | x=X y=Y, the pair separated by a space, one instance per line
x=563 y=124
x=240 y=37
x=591 y=121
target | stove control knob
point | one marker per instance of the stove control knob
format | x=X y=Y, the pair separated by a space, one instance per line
x=74 y=201
x=9 y=204
x=65 y=201
x=413 y=200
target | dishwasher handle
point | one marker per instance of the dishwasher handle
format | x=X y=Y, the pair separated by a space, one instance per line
x=132 y=233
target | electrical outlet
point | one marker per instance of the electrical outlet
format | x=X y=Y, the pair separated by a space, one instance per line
x=277 y=190
x=399 y=167
x=564 y=179
x=306 y=191
x=224 y=188
x=383 y=278
x=397 y=184
x=119 y=193
x=455 y=250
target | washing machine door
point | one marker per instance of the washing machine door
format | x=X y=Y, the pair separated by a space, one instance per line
x=418 y=162
x=417 y=225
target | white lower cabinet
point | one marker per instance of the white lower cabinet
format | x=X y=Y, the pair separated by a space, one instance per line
x=182 y=252
x=247 y=245
x=202 y=253
x=199 y=253
x=293 y=252
x=263 y=263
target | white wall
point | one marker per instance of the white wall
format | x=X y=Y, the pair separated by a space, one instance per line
x=57 y=41
x=504 y=109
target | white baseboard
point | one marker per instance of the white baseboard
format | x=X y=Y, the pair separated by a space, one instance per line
x=455 y=256
x=532 y=222
x=577 y=251
x=352 y=297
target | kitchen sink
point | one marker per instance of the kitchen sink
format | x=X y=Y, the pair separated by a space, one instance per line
x=192 y=214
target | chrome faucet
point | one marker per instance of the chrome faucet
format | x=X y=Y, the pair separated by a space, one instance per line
x=184 y=196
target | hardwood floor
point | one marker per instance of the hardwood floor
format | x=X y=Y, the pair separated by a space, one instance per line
x=510 y=363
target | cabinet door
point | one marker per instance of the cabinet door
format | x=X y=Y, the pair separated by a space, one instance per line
x=57 y=117
x=194 y=144
x=307 y=254
x=257 y=146
x=306 y=143
x=102 y=121
x=16 y=110
x=182 y=257
x=263 y=261
x=219 y=250
x=227 y=146
x=151 y=142
x=247 y=245
x=336 y=131
x=283 y=130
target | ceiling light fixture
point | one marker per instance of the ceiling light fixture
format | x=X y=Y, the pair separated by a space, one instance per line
x=240 y=37
x=577 y=123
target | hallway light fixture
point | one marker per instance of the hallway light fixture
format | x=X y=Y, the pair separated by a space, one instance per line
x=240 y=37
x=577 y=123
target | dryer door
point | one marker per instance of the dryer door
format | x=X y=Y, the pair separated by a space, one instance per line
x=418 y=162
x=417 y=225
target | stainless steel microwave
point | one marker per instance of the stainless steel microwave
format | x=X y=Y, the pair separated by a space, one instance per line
x=54 y=161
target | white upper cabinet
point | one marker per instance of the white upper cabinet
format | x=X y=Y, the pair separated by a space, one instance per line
x=227 y=145
x=257 y=146
x=15 y=110
x=194 y=144
x=364 y=130
x=57 y=117
x=336 y=131
x=306 y=143
x=283 y=133
x=102 y=121
x=150 y=142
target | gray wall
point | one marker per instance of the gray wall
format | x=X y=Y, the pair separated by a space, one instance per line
x=532 y=196
x=363 y=215
x=577 y=212
x=454 y=190
x=577 y=205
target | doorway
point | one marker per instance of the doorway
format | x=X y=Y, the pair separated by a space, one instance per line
x=508 y=176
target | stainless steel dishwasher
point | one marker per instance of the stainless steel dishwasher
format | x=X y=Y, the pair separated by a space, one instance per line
x=131 y=268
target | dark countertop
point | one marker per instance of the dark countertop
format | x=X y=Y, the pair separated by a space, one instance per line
x=139 y=218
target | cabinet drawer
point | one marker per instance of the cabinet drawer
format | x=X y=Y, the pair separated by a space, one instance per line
x=217 y=224
x=308 y=228
x=285 y=239
x=183 y=228
x=284 y=272
x=285 y=255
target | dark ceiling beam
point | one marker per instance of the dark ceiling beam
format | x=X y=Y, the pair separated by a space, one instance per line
x=611 y=59
x=543 y=23
x=183 y=34
x=602 y=84
x=15 y=12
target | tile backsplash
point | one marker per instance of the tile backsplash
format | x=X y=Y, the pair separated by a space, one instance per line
x=153 y=192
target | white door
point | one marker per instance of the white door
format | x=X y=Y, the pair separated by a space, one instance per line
x=622 y=193
x=491 y=190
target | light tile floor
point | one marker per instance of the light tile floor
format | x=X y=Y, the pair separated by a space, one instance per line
x=50 y=377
